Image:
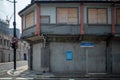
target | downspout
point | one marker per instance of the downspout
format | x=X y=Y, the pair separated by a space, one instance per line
x=31 y=56
x=44 y=37
x=22 y=23
x=108 y=55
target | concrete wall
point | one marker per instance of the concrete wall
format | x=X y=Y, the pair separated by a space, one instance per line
x=97 y=58
x=85 y=60
x=37 y=56
x=58 y=57
x=115 y=56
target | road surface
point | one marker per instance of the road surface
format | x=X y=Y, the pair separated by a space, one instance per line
x=4 y=67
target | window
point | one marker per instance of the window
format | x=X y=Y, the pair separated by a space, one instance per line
x=45 y=20
x=118 y=16
x=97 y=16
x=8 y=43
x=67 y=15
x=0 y=40
x=30 y=19
x=4 y=42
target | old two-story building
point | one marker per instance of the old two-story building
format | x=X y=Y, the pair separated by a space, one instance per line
x=73 y=36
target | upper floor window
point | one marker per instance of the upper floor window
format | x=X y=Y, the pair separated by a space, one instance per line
x=45 y=19
x=97 y=16
x=118 y=16
x=67 y=15
x=29 y=19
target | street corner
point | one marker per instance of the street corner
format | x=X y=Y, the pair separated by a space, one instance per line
x=18 y=71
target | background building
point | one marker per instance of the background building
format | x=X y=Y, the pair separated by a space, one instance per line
x=73 y=36
x=4 y=28
x=17 y=32
x=6 y=52
x=6 y=34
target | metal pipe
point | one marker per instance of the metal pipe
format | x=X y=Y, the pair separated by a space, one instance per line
x=14 y=32
x=14 y=24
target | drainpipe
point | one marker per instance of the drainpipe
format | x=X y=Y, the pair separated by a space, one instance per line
x=31 y=57
x=45 y=40
x=108 y=55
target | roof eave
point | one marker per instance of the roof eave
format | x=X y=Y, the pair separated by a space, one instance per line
x=76 y=1
x=20 y=12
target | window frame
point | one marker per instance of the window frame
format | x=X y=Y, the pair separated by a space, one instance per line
x=116 y=16
x=33 y=19
x=45 y=16
x=106 y=9
x=68 y=8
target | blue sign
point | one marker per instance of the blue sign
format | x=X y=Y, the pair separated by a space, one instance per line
x=69 y=55
x=87 y=44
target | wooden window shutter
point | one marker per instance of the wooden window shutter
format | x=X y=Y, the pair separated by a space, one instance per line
x=72 y=16
x=97 y=16
x=101 y=16
x=118 y=16
x=62 y=15
x=30 y=20
x=67 y=15
x=92 y=16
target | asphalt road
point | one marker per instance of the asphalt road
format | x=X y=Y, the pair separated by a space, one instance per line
x=4 y=67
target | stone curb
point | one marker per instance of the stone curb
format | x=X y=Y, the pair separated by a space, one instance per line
x=18 y=71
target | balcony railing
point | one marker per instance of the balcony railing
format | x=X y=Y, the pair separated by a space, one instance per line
x=98 y=29
x=61 y=29
x=29 y=31
x=70 y=29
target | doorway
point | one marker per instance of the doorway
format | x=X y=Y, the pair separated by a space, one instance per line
x=95 y=58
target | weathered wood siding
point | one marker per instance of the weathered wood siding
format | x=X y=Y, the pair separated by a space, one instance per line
x=60 y=29
x=29 y=31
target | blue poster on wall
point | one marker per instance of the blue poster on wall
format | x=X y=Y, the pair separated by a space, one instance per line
x=69 y=55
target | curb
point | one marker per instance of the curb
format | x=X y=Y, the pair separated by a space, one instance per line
x=18 y=71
